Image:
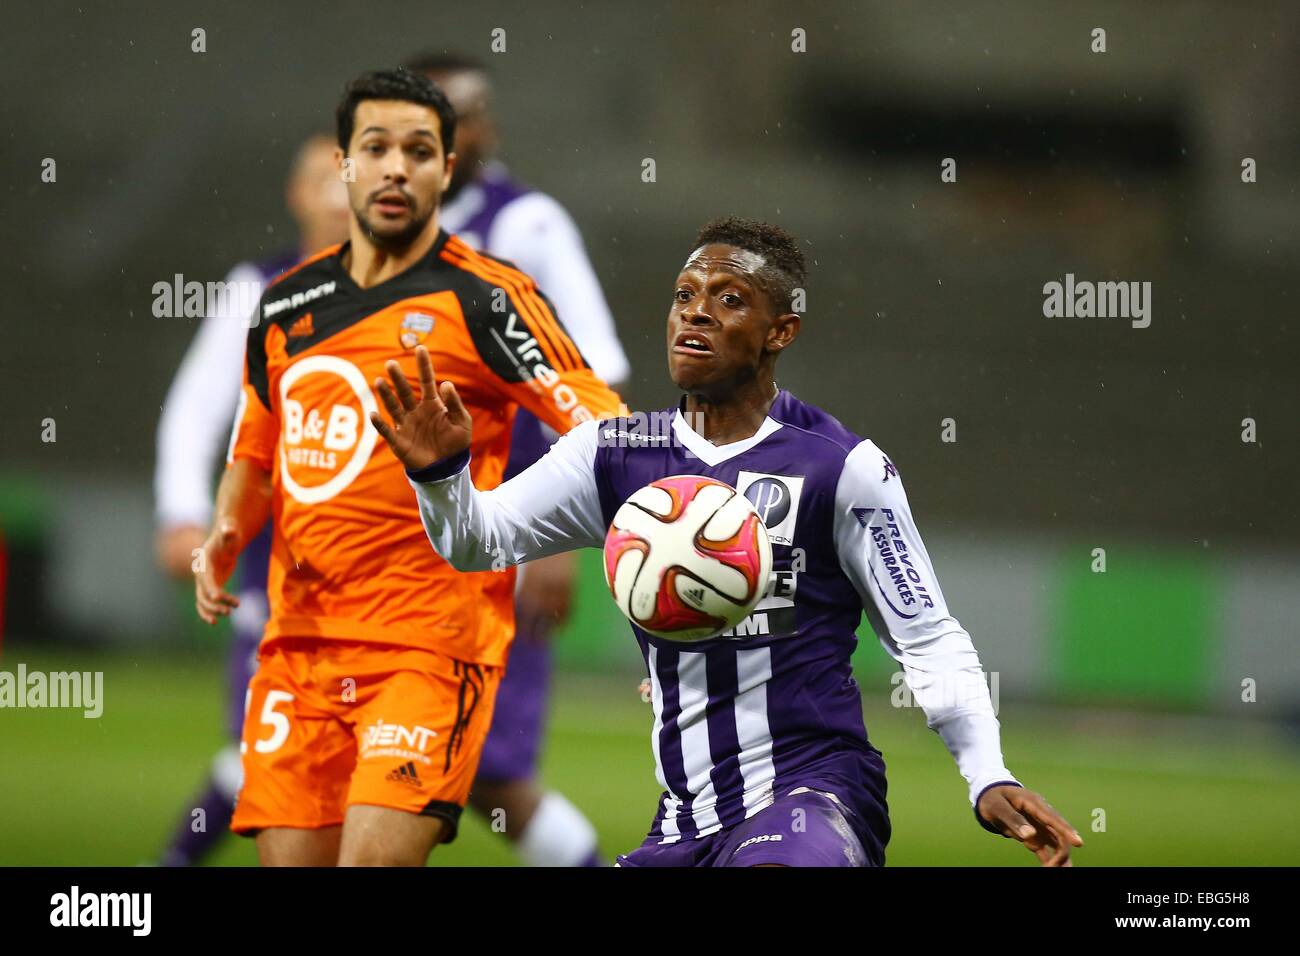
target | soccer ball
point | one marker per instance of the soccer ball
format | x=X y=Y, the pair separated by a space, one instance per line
x=687 y=557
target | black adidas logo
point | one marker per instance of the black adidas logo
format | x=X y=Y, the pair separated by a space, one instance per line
x=406 y=774
x=696 y=595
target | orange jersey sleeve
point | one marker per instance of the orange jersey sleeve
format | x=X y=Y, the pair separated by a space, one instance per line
x=256 y=430
x=522 y=342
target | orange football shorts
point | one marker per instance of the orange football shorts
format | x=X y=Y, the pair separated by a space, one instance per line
x=332 y=723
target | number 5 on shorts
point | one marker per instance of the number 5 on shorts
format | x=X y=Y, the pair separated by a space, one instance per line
x=278 y=722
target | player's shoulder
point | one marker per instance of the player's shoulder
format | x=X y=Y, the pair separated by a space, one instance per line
x=867 y=466
x=821 y=427
x=257 y=275
x=483 y=272
x=297 y=286
x=862 y=462
x=291 y=276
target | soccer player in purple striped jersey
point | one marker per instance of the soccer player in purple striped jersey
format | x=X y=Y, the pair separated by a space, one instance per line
x=758 y=734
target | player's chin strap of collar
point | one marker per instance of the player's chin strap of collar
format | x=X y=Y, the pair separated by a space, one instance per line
x=982 y=822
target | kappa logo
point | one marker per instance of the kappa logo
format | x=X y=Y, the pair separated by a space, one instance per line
x=765 y=838
x=621 y=438
x=890 y=470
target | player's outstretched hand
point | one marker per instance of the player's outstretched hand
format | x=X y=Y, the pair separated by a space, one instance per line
x=1026 y=816
x=425 y=429
x=212 y=568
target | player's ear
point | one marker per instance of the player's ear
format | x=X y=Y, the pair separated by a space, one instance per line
x=784 y=330
x=446 y=175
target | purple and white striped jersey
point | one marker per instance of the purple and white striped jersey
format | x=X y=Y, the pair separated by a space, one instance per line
x=771 y=705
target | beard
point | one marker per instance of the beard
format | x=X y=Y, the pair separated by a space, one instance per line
x=396 y=241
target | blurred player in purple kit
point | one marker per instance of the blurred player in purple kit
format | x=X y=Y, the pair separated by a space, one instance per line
x=192 y=433
x=758 y=734
x=489 y=210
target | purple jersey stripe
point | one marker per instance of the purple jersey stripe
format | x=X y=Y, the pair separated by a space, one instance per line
x=670 y=739
x=724 y=742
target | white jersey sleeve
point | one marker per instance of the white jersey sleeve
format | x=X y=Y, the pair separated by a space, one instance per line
x=881 y=551
x=198 y=410
x=536 y=234
x=550 y=507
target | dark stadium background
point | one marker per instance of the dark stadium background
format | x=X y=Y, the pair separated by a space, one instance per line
x=1121 y=692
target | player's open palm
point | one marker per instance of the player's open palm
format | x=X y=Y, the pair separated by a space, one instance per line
x=426 y=428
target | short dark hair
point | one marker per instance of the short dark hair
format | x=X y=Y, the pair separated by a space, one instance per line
x=784 y=271
x=399 y=84
x=427 y=63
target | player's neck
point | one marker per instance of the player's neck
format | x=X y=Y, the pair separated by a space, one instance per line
x=369 y=264
x=734 y=417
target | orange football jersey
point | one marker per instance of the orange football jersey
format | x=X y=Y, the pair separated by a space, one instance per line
x=350 y=558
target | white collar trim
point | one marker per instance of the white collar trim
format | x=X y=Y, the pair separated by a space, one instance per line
x=712 y=454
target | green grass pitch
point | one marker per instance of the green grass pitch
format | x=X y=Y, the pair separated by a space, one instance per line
x=106 y=792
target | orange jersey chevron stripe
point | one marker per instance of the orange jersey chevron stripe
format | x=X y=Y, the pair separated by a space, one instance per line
x=559 y=347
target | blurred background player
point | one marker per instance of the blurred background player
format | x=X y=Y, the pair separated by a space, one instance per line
x=489 y=210
x=192 y=432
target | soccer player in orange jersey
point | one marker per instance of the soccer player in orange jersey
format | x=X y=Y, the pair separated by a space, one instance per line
x=379 y=665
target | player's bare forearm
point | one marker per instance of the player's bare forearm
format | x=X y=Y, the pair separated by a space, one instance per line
x=243 y=507
x=243 y=499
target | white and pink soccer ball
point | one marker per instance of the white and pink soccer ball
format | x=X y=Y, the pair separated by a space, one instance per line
x=687 y=557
